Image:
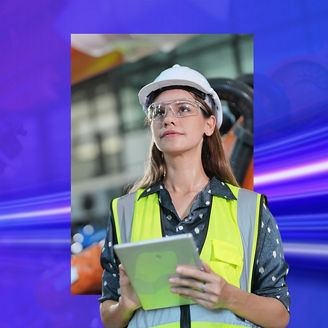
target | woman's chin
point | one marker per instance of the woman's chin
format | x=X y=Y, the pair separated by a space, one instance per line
x=175 y=151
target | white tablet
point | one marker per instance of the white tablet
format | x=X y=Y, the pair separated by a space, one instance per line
x=149 y=264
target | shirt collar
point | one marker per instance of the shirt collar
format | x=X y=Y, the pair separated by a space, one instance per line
x=221 y=189
x=217 y=188
x=152 y=189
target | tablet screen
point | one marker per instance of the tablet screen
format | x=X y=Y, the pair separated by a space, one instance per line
x=150 y=263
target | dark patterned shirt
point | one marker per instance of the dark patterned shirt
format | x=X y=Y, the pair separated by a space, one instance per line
x=270 y=269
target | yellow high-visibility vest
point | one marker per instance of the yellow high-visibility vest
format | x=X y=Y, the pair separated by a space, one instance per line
x=229 y=249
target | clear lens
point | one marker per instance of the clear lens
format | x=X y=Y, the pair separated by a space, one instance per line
x=184 y=108
x=156 y=111
x=180 y=108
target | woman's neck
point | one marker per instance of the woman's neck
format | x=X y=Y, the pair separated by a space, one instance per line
x=184 y=174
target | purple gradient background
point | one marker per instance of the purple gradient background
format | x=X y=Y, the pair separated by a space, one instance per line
x=291 y=97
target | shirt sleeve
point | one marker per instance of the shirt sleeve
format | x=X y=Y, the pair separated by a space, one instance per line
x=270 y=269
x=110 y=263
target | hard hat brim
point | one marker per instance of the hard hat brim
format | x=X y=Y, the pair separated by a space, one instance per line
x=149 y=88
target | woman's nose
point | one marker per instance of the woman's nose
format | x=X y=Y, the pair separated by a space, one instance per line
x=169 y=116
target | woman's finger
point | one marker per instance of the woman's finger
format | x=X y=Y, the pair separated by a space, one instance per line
x=192 y=272
x=187 y=292
x=206 y=267
x=122 y=270
x=204 y=303
x=186 y=282
x=123 y=275
x=194 y=294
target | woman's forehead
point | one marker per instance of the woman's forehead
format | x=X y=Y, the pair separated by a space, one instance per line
x=173 y=94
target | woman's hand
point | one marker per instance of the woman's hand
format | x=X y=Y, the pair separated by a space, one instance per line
x=129 y=298
x=118 y=314
x=206 y=288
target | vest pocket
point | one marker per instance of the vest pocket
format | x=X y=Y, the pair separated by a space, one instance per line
x=226 y=261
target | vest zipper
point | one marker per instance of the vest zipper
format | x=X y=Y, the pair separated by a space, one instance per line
x=185 y=316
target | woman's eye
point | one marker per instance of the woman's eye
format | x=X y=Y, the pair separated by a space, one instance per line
x=159 y=112
x=184 y=109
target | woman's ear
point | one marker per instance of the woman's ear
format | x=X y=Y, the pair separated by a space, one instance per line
x=210 y=125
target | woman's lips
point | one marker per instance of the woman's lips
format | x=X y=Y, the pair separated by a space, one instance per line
x=171 y=134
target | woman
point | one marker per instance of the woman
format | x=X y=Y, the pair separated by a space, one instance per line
x=189 y=187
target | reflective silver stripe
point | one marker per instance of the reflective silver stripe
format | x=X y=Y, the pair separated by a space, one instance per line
x=153 y=318
x=246 y=216
x=125 y=209
x=201 y=314
x=141 y=318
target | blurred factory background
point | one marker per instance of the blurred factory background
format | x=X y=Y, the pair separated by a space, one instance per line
x=109 y=138
x=290 y=143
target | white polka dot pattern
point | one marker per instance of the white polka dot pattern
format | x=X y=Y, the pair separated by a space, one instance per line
x=266 y=271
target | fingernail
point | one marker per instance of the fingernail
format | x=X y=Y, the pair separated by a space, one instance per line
x=173 y=289
x=171 y=280
x=178 y=270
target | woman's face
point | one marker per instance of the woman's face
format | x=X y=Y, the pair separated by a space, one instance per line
x=177 y=135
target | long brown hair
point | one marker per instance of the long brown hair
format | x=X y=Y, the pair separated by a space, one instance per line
x=214 y=161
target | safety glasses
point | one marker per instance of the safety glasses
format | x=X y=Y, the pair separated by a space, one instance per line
x=180 y=108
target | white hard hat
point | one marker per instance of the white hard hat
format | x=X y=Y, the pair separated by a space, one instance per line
x=184 y=77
